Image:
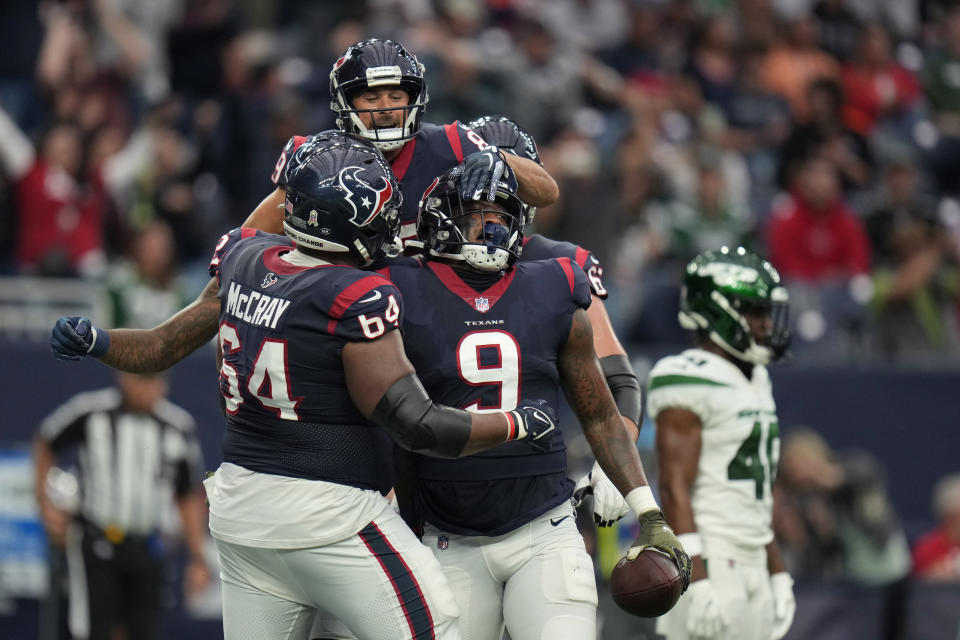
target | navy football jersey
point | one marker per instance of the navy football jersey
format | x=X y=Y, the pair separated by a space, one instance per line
x=434 y=150
x=486 y=351
x=538 y=247
x=282 y=331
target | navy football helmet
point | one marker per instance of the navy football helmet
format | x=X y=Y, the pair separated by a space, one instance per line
x=443 y=225
x=342 y=197
x=371 y=64
x=508 y=136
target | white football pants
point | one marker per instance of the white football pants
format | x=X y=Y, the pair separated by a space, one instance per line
x=537 y=580
x=380 y=583
x=744 y=592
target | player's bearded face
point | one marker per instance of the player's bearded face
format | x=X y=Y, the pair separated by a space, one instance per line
x=477 y=214
x=381 y=108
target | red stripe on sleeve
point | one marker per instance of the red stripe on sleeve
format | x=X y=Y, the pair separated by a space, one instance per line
x=247 y=232
x=567 y=269
x=581 y=257
x=350 y=295
x=453 y=135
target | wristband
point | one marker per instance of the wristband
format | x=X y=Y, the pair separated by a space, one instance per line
x=100 y=342
x=641 y=500
x=691 y=543
x=514 y=426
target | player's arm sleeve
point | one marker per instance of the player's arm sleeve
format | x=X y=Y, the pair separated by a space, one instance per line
x=624 y=385
x=281 y=169
x=418 y=424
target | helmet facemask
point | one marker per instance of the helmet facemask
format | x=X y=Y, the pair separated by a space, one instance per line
x=372 y=65
x=349 y=120
x=485 y=235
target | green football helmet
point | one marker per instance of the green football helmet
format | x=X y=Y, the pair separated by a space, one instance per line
x=721 y=288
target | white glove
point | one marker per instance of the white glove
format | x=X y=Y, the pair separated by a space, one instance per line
x=784 y=604
x=705 y=617
x=608 y=503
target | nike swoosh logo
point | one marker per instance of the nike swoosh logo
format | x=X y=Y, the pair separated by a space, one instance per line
x=556 y=521
x=373 y=298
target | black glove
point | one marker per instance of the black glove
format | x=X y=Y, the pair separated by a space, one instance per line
x=536 y=423
x=508 y=136
x=483 y=171
x=656 y=533
x=74 y=337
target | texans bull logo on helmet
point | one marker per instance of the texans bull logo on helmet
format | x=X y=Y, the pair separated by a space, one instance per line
x=364 y=200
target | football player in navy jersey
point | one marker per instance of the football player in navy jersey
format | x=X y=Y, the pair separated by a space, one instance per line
x=608 y=505
x=487 y=330
x=311 y=364
x=377 y=90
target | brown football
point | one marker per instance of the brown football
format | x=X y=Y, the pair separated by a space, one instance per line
x=647 y=586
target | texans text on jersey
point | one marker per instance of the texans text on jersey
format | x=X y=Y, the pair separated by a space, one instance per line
x=482 y=323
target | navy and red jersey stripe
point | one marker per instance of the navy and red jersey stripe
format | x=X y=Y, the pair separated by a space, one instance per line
x=538 y=247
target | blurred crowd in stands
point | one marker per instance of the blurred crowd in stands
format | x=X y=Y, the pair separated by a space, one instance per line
x=824 y=133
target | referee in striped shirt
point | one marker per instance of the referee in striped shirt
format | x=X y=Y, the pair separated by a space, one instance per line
x=135 y=451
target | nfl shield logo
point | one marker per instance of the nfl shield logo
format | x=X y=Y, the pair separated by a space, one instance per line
x=443 y=542
x=482 y=304
x=313 y=219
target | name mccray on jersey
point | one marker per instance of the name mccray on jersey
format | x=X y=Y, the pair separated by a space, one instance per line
x=484 y=351
x=282 y=330
x=732 y=496
x=434 y=150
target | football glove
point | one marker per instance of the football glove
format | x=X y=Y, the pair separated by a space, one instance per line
x=536 y=423
x=656 y=533
x=74 y=337
x=483 y=171
x=784 y=604
x=608 y=503
x=705 y=616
